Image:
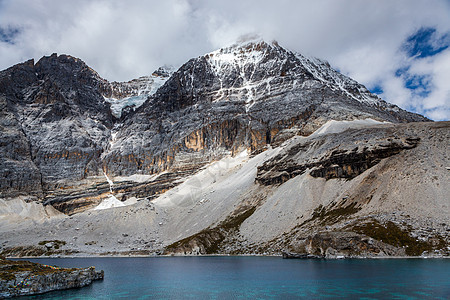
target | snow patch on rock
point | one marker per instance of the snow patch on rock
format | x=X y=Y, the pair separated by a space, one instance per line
x=110 y=202
x=138 y=178
x=142 y=88
x=334 y=126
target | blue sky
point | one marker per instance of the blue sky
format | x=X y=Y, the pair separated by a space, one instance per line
x=8 y=34
x=425 y=43
x=398 y=49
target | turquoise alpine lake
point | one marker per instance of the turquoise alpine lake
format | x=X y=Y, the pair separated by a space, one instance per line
x=237 y=277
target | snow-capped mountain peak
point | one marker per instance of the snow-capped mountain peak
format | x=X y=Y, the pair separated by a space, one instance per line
x=251 y=69
x=243 y=60
x=237 y=54
x=244 y=54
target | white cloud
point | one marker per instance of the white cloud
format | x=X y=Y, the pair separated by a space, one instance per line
x=438 y=67
x=126 y=39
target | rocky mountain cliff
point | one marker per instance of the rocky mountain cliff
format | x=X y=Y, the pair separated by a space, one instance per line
x=56 y=113
x=72 y=140
x=244 y=96
x=69 y=124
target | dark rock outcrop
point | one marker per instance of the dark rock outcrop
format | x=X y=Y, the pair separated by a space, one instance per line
x=334 y=157
x=18 y=278
x=60 y=116
x=79 y=198
x=344 y=245
x=19 y=174
x=290 y=255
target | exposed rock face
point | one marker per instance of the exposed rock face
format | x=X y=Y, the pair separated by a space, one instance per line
x=334 y=158
x=242 y=97
x=56 y=124
x=84 y=196
x=19 y=174
x=347 y=244
x=60 y=115
x=18 y=278
x=68 y=124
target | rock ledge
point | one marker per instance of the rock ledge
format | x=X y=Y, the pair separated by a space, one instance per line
x=18 y=278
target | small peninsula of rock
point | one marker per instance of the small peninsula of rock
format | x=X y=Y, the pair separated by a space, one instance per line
x=19 y=278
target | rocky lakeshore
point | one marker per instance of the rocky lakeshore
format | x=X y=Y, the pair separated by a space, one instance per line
x=19 y=278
